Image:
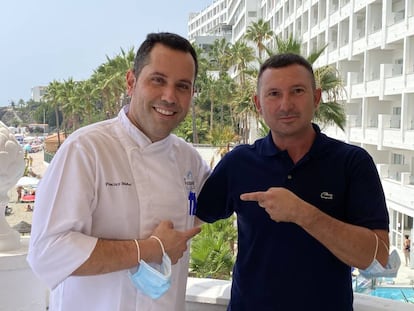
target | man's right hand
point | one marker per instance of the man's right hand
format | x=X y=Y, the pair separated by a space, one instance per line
x=175 y=242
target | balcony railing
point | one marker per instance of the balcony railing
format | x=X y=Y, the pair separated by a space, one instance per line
x=214 y=295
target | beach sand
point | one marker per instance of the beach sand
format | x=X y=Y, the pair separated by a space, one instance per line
x=19 y=209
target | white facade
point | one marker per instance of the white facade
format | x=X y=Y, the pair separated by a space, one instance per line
x=371 y=43
x=38 y=92
x=208 y=21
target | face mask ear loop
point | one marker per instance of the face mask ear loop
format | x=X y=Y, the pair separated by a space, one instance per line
x=385 y=245
x=138 y=251
x=162 y=246
x=376 y=247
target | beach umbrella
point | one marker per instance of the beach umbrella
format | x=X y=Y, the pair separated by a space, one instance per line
x=27 y=181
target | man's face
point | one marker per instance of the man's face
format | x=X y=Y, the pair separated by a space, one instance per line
x=287 y=101
x=162 y=93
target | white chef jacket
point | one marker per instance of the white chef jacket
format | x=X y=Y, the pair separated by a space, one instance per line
x=108 y=180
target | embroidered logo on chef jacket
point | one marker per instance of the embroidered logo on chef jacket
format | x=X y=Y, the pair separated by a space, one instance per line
x=189 y=182
x=117 y=184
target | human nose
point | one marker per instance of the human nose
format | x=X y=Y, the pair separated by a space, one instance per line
x=285 y=102
x=169 y=94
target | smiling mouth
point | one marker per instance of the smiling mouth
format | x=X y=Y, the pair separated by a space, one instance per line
x=164 y=112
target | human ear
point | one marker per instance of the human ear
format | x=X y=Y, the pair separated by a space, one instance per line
x=317 y=97
x=256 y=101
x=130 y=79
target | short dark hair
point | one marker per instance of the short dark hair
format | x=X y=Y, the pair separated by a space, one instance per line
x=284 y=60
x=171 y=40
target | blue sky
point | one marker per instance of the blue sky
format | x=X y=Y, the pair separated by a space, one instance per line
x=46 y=40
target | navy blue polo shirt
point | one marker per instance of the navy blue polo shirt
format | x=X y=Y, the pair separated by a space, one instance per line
x=279 y=266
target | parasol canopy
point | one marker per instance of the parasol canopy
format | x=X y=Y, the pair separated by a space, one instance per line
x=27 y=181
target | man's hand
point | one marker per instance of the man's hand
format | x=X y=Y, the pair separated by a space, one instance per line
x=175 y=242
x=280 y=203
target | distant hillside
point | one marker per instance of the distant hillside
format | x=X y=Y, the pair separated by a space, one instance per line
x=13 y=117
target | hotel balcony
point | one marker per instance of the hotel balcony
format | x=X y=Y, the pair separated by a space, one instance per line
x=23 y=291
x=213 y=295
x=381 y=130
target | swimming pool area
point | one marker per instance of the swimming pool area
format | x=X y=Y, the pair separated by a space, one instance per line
x=384 y=288
x=405 y=294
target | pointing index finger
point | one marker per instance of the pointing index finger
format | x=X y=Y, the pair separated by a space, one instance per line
x=251 y=196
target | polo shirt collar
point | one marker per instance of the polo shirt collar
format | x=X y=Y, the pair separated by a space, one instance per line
x=268 y=147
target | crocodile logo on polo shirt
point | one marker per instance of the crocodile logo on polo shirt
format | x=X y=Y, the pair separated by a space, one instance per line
x=326 y=195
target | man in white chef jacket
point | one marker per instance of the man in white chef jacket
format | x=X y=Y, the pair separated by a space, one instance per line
x=117 y=194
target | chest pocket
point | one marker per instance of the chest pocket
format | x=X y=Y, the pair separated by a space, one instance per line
x=161 y=193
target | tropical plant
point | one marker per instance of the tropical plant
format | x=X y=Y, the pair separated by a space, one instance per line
x=213 y=94
x=203 y=65
x=86 y=96
x=221 y=136
x=243 y=108
x=259 y=33
x=185 y=129
x=69 y=107
x=212 y=250
x=52 y=97
x=220 y=55
x=243 y=55
x=330 y=111
x=44 y=114
x=109 y=81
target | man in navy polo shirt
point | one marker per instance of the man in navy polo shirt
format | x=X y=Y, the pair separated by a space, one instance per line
x=308 y=207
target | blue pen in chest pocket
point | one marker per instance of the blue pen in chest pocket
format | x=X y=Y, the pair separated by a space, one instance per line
x=190 y=187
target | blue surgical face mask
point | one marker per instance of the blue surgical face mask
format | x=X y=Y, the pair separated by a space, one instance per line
x=153 y=280
x=375 y=269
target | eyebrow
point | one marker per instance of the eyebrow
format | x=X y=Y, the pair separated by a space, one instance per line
x=298 y=85
x=290 y=87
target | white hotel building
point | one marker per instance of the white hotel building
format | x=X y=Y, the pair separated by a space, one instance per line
x=371 y=43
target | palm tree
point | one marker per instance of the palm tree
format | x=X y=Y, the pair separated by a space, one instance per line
x=243 y=55
x=330 y=111
x=292 y=45
x=243 y=108
x=69 y=107
x=52 y=97
x=118 y=67
x=241 y=102
x=86 y=97
x=213 y=87
x=109 y=79
x=203 y=66
x=220 y=55
x=259 y=33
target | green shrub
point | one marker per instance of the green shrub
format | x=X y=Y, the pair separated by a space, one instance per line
x=213 y=250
